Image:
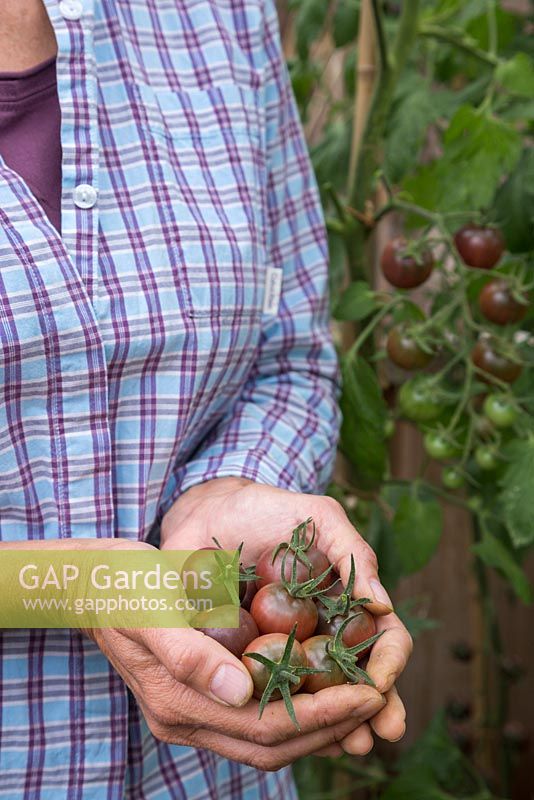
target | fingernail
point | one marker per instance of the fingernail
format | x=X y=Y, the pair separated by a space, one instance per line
x=230 y=685
x=380 y=594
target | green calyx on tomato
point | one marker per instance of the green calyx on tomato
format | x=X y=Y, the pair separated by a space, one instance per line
x=346 y=657
x=284 y=670
x=417 y=399
x=404 y=350
x=297 y=560
x=451 y=478
x=439 y=445
x=486 y=457
x=342 y=603
x=501 y=410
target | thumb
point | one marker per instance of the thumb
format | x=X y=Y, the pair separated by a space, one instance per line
x=201 y=663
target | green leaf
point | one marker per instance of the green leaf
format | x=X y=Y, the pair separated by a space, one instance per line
x=357 y=302
x=345 y=22
x=336 y=261
x=309 y=23
x=514 y=206
x=517 y=495
x=417 y=527
x=417 y=783
x=410 y=116
x=517 y=75
x=494 y=553
x=478 y=149
x=364 y=416
x=331 y=156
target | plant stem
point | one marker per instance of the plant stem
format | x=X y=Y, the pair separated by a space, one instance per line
x=448 y=36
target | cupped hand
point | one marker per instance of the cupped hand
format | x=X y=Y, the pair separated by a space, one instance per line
x=234 y=510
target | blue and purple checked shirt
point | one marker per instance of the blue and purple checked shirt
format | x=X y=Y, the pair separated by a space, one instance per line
x=137 y=355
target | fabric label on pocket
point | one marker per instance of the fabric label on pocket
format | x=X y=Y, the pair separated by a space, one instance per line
x=273 y=290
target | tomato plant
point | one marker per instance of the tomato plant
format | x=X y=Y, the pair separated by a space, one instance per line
x=434 y=187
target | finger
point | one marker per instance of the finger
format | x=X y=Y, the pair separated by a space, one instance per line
x=390 y=722
x=199 y=662
x=359 y=742
x=390 y=653
x=339 y=540
x=313 y=712
x=271 y=758
x=331 y=751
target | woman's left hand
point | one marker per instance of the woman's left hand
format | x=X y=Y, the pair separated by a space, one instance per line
x=235 y=510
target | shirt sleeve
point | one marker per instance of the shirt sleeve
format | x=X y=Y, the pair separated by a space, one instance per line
x=283 y=429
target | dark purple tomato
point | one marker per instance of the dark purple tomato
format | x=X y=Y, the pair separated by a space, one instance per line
x=401 y=268
x=272 y=647
x=270 y=572
x=404 y=351
x=488 y=360
x=246 y=595
x=214 y=623
x=276 y=611
x=479 y=246
x=318 y=658
x=498 y=304
x=362 y=627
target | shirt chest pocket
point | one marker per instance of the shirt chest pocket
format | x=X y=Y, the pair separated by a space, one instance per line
x=209 y=150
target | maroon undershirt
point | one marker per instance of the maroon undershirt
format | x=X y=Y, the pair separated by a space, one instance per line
x=30 y=135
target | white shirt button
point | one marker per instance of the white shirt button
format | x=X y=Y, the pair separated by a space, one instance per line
x=71 y=9
x=84 y=195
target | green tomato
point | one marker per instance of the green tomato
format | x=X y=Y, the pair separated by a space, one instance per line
x=486 y=457
x=438 y=446
x=500 y=409
x=417 y=399
x=451 y=478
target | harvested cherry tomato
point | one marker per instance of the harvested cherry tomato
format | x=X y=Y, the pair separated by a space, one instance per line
x=362 y=627
x=317 y=657
x=479 y=246
x=417 y=399
x=488 y=360
x=451 y=478
x=486 y=457
x=205 y=578
x=500 y=410
x=404 y=351
x=404 y=269
x=276 y=611
x=498 y=304
x=214 y=623
x=272 y=646
x=247 y=596
x=438 y=446
x=271 y=572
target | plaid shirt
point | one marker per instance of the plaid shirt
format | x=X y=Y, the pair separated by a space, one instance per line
x=138 y=355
